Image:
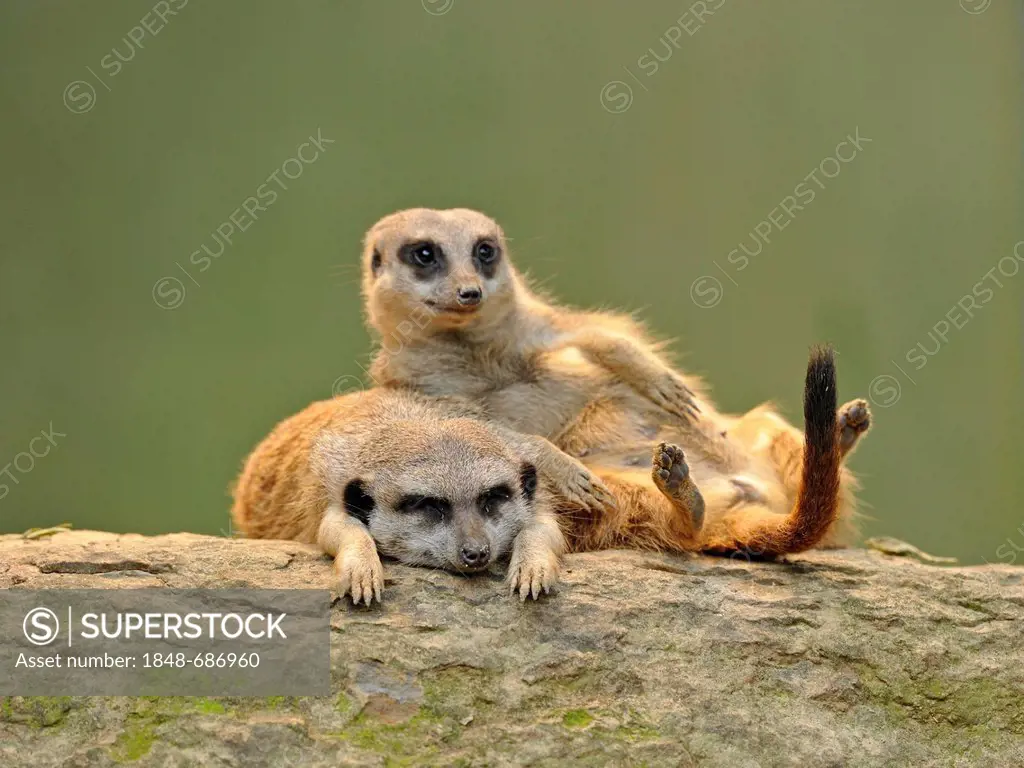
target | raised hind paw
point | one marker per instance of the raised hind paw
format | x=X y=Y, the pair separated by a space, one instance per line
x=671 y=474
x=853 y=421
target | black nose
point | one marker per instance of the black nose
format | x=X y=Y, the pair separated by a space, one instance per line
x=469 y=297
x=476 y=557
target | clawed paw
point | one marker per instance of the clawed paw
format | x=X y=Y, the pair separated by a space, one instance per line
x=673 y=396
x=532 y=575
x=585 y=489
x=361 y=575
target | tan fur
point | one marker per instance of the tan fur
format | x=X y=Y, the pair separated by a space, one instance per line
x=598 y=387
x=293 y=483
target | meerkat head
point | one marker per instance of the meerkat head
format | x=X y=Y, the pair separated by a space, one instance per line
x=450 y=496
x=427 y=270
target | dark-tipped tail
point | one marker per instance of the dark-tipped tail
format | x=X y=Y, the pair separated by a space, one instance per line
x=818 y=502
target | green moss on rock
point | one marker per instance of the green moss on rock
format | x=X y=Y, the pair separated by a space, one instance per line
x=403 y=743
x=459 y=691
x=209 y=707
x=36 y=711
x=577 y=718
x=148 y=713
x=135 y=740
x=943 y=704
x=634 y=731
x=343 y=704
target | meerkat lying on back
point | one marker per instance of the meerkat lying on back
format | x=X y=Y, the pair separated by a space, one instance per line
x=454 y=317
x=417 y=479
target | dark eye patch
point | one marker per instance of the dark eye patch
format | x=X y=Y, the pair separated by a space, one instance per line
x=430 y=506
x=486 y=255
x=426 y=259
x=490 y=500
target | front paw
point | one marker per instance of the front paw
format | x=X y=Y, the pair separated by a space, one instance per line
x=532 y=574
x=583 y=488
x=360 y=574
x=671 y=394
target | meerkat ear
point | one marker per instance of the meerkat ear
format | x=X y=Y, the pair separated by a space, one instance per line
x=376 y=261
x=358 y=503
x=528 y=480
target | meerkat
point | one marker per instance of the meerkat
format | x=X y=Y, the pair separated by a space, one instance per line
x=417 y=479
x=453 y=316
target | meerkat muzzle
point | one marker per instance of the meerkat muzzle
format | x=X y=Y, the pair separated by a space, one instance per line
x=475 y=557
x=469 y=297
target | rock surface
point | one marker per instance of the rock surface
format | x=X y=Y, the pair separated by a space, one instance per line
x=843 y=658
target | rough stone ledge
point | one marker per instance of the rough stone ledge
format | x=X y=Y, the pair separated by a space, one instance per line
x=843 y=658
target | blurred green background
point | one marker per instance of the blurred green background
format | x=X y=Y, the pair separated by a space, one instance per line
x=505 y=107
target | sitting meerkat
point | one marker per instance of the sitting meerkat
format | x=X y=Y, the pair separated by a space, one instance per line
x=454 y=317
x=417 y=479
